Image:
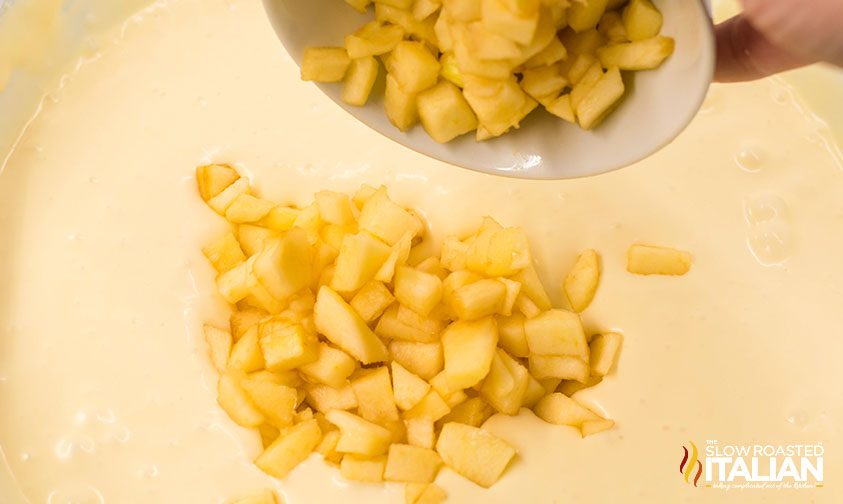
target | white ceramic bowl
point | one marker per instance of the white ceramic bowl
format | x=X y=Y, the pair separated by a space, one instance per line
x=648 y=118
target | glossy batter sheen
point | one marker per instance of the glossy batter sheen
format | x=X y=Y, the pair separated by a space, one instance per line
x=106 y=391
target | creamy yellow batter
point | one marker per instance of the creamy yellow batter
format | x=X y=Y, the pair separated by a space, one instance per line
x=107 y=395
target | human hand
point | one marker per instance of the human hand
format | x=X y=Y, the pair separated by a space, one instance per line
x=772 y=36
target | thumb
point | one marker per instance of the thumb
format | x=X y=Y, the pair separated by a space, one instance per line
x=744 y=53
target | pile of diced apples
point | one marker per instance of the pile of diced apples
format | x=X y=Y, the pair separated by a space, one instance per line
x=339 y=343
x=459 y=66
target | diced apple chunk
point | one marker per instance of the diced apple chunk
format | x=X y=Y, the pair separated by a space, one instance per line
x=397 y=257
x=401 y=323
x=373 y=39
x=262 y=497
x=408 y=388
x=291 y=448
x=479 y=299
x=363 y=469
x=497 y=18
x=423 y=359
x=234 y=400
x=360 y=258
x=585 y=14
x=411 y=464
x=431 y=407
x=553 y=53
x=359 y=436
x=276 y=402
x=420 y=432
x=420 y=493
x=246 y=353
x=453 y=254
x=325 y=398
x=287 y=346
x=565 y=367
x=259 y=297
x=474 y=453
x=486 y=45
x=224 y=253
x=571 y=387
x=602 y=97
x=445 y=113
x=247 y=208
x=324 y=64
x=556 y=332
x=642 y=20
x=454 y=281
x=417 y=290
x=328 y=446
x=214 y=178
x=535 y=391
x=513 y=290
x=398 y=4
x=371 y=300
x=375 y=400
x=359 y=81
x=243 y=320
x=473 y=411
x=422 y=9
x=219 y=346
x=612 y=28
x=604 y=352
x=335 y=208
x=526 y=306
x=468 y=349
x=581 y=282
x=500 y=104
x=281 y=218
x=432 y=266
x=286 y=378
x=386 y=220
x=590 y=427
x=586 y=83
x=531 y=286
x=420 y=30
x=235 y=284
x=640 y=55
x=339 y=323
x=505 y=385
x=652 y=260
x=254 y=239
x=284 y=267
x=463 y=10
x=331 y=367
x=540 y=82
x=451 y=395
x=577 y=66
x=413 y=67
x=401 y=108
x=309 y=221
x=333 y=235
x=511 y=335
x=560 y=409
x=359 y=5
x=450 y=69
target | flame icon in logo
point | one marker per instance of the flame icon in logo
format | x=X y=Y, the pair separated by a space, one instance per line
x=690 y=462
